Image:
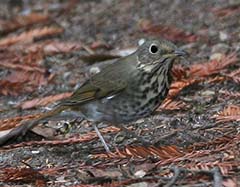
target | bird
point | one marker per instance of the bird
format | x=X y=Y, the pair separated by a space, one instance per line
x=131 y=88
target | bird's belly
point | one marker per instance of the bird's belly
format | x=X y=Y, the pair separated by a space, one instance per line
x=124 y=107
x=115 y=110
x=128 y=108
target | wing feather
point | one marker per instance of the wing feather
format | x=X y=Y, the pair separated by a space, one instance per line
x=104 y=84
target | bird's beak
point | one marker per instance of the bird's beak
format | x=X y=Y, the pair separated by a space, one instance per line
x=179 y=52
x=176 y=53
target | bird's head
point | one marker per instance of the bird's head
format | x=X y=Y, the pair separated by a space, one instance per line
x=155 y=52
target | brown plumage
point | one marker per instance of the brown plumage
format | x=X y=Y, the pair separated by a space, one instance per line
x=129 y=89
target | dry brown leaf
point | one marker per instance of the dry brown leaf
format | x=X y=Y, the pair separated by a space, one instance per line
x=21 y=21
x=230 y=110
x=6 y=124
x=45 y=131
x=197 y=72
x=226 y=11
x=24 y=74
x=53 y=47
x=230 y=183
x=21 y=175
x=99 y=44
x=177 y=86
x=32 y=58
x=235 y=76
x=18 y=61
x=83 y=138
x=224 y=167
x=215 y=79
x=229 y=113
x=29 y=36
x=44 y=101
x=230 y=94
x=179 y=72
x=48 y=47
x=13 y=88
x=199 y=153
x=169 y=104
x=21 y=67
x=212 y=67
x=164 y=152
x=220 y=141
x=18 y=82
x=168 y=32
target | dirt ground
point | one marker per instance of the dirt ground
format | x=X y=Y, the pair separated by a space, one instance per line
x=191 y=147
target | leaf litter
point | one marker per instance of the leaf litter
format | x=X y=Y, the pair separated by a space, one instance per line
x=7 y=26
x=22 y=56
x=30 y=36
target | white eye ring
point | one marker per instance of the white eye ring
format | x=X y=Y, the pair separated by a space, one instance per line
x=153 y=49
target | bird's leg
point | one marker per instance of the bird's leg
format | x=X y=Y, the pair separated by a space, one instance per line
x=101 y=138
x=130 y=133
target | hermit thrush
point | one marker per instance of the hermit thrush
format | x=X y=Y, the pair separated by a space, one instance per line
x=129 y=89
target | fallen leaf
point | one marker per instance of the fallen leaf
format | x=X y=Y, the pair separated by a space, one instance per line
x=25 y=73
x=224 y=167
x=234 y=75
x=29 y=36
x=177 y=86
x=99 y=44
x=179 y=72
x=21 y=175
x=44 y=101
x=168 y=32
x=21 y=21
x=226 y=11
x=169 y=104
x=230 y=183
x=229 y=113
x=83 y=138
x=212 y=67
x=18 y=61
x=54 y=47
x=18 y=82
x=164 y=152
x=198 y=72
x=230 y=94
x=10 y=123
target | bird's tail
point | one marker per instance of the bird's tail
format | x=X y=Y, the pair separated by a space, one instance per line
x=27 y=125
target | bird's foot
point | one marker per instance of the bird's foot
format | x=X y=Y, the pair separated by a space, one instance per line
x=101 y=138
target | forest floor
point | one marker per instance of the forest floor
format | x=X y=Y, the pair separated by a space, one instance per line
x=49 y=48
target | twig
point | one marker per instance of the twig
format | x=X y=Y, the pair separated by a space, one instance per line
x=217 y=177
x=88 y=49
x=214 y=173
x=177 y=171
x=206 y=184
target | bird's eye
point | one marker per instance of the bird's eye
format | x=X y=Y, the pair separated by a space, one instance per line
x=153 y=49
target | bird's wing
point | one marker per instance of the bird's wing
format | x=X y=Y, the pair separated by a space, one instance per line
x=104 y=84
